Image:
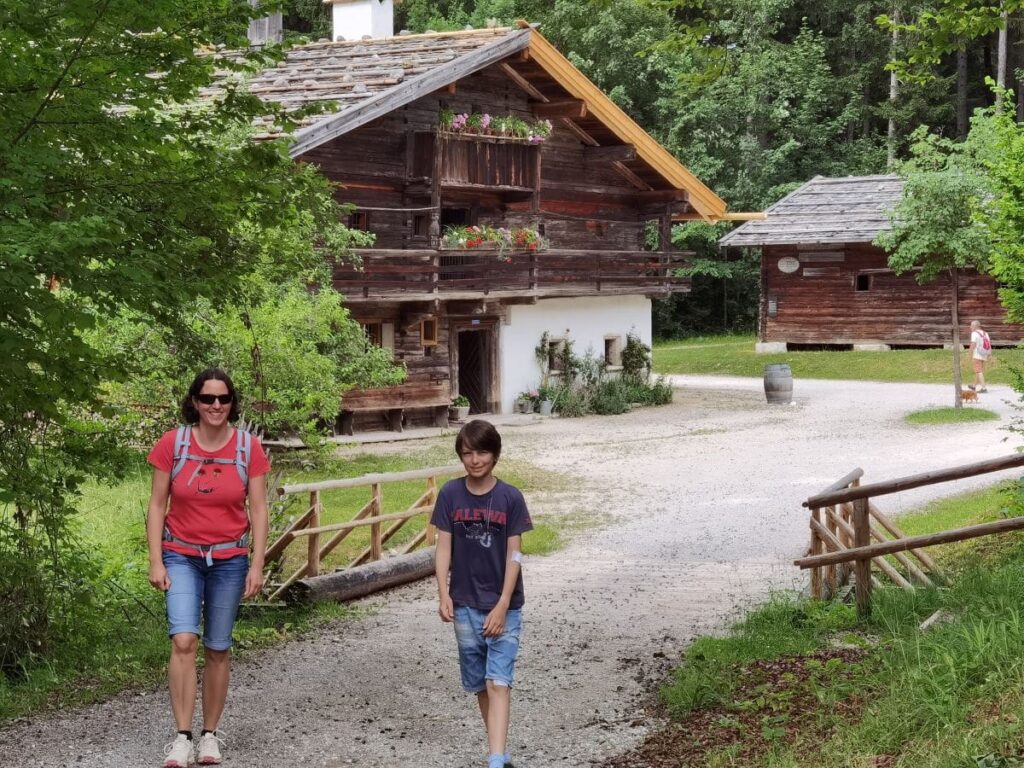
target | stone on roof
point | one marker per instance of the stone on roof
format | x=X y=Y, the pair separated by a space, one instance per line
x=853 y=209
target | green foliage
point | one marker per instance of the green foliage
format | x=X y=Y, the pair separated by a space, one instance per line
x=119 y=196
x=934 y=225
x=636 y=359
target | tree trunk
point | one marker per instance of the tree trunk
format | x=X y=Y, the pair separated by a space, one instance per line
x=893 y=96
x=1004 y=20
x=961 y=92
x=957 y=381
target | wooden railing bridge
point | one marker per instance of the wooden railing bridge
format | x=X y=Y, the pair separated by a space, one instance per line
x=308 y=525
x=844 y=522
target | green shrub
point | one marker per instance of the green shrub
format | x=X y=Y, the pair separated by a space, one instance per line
x=609 y=397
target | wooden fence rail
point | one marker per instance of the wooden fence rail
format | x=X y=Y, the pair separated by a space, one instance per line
x=844 y=522
x=309 y=525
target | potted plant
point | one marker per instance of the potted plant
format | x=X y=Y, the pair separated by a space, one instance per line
x=459 y=409
x=525 y=401
x=546 y=399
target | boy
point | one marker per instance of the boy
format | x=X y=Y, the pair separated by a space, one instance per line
x=480 y=521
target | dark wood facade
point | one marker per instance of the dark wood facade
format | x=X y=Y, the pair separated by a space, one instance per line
x=596 y=189
x=847 y=295
x=408 y=182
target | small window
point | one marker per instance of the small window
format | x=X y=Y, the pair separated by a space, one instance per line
x=420 y=225
x=359 y=220
x=773 y=306
x=863 y=282
x=428 y=332
x=555 y=348
x=613 y=351
x=374 y=332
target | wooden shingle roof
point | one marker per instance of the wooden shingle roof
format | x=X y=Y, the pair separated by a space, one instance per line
x=370 y=78
x=358 y=75
x=853 y=209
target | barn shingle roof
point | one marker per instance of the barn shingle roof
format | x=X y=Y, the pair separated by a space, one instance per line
x=853 y=209
x=367 y=78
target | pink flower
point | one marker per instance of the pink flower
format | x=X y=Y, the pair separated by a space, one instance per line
x=485 y=121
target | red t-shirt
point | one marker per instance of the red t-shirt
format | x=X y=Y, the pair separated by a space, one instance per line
x=208 y=505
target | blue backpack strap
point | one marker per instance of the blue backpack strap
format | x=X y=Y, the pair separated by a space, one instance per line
x=182 y=442
x=243 y=452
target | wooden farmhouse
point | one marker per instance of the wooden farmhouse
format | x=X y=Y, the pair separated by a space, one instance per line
x=823 y=283
x=467 y=321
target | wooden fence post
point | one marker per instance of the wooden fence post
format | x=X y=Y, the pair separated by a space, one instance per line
x=831 y=582
x=376 y=548
x=862 y=568
x=313 y=545
x=817 y=547
x=431 y=530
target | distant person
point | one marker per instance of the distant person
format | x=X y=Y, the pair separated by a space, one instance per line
x=199 y=550
x=981 y=353
x=480 y=521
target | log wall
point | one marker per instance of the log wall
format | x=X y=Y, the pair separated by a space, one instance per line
x=819 y=303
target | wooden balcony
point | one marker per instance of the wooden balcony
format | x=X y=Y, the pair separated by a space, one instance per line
x=476 y=163
x=424 y=275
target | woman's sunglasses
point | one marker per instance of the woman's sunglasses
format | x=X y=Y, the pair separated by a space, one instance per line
x=211 y=399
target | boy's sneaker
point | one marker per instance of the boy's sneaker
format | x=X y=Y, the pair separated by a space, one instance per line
x=970 y=387
x=208 y=751
x=983 y=389
x=179 y=752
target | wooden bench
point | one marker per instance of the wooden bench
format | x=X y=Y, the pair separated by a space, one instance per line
x=394 y=401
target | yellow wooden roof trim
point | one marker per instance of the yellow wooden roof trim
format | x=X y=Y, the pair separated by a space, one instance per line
x=703 y=200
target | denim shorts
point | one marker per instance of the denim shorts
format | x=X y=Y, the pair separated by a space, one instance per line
x=486 y=658
x=211 y=591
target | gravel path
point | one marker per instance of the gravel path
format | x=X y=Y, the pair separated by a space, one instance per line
x=702 y=502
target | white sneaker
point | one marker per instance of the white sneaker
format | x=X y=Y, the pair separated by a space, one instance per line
x=208 y=751
x=179 y=752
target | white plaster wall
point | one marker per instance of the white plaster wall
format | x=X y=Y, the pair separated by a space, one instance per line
x=352 y=19
x=588 y=321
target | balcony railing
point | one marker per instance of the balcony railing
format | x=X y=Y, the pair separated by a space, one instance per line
x=425 y=274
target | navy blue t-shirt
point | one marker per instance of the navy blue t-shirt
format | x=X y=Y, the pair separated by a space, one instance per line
x=480 y=527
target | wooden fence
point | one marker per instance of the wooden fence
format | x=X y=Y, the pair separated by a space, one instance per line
x=844 y=521
x=308 y=525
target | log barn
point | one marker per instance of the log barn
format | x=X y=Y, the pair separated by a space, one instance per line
x=823 y=283
x=468 y=321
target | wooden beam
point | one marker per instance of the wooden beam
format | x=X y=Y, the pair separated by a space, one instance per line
x=452 y=88
x=522 y=82
x=1013 y=461
x=631 y=177
x=738 y=216
x=912 y=542
x=618 y=153
x=582 y=135
x=573 y=109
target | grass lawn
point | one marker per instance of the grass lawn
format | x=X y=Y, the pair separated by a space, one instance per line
x=950 y=415
x=119 y=640
x=735 y=356
x=802 y=683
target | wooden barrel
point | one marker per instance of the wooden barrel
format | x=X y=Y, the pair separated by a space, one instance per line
x=778 y=383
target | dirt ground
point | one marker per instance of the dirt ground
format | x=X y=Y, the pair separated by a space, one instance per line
x=701 y=508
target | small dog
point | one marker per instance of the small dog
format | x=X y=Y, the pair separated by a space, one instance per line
x=968 y=395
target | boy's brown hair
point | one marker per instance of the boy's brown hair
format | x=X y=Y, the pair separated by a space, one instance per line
x=478 y=435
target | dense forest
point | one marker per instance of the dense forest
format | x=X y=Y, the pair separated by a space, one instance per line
x=757 y=96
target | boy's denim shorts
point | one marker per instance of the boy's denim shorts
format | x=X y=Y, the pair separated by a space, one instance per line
x=211 y=591
x=486 y=658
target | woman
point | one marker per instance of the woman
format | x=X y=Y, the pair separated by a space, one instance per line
x=199 y=549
